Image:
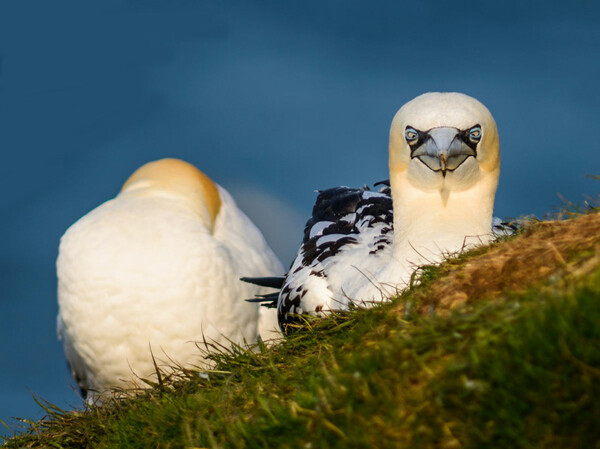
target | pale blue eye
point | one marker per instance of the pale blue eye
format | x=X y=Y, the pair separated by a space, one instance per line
x=475 y=133
x=411 y=134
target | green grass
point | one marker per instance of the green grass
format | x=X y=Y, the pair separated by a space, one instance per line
x=521 y=370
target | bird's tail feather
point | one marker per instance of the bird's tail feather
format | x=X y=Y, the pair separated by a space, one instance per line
x=268 y=300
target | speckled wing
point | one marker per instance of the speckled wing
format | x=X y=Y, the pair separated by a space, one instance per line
x=347 y=226
x=504 y=228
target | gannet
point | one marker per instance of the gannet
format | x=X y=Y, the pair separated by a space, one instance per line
x=361 y=246
x=155 y=272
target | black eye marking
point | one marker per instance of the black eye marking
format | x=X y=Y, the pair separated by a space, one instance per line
x=411 y=135
x=414 y=138
x=475 y=134
x=471 y=137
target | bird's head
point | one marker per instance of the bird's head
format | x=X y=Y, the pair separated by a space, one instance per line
x=180 y=179
x=444 y=141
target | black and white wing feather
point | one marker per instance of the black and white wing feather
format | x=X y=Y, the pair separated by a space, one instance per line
x=350 y=229
x=504 y=228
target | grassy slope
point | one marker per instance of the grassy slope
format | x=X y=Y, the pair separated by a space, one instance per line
x=497 y=349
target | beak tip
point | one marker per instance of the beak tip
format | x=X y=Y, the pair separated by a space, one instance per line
x=443 y=163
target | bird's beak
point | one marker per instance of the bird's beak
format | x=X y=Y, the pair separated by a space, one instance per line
x=443 y=150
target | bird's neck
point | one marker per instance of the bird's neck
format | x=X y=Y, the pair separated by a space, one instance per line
x=430 y=226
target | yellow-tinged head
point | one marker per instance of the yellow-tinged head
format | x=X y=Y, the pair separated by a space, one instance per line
x=444 y=169
x=180 y=177
x=444 y=140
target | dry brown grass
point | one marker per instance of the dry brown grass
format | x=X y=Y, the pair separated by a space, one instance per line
x=571 y=246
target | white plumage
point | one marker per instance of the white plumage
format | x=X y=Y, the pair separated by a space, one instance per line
x=157 y=269
x=360 y=247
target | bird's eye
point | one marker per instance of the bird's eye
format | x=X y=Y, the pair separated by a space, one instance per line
x=411 y=135
x=475 y=134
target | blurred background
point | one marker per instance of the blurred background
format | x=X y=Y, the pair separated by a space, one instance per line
x=272 y=99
